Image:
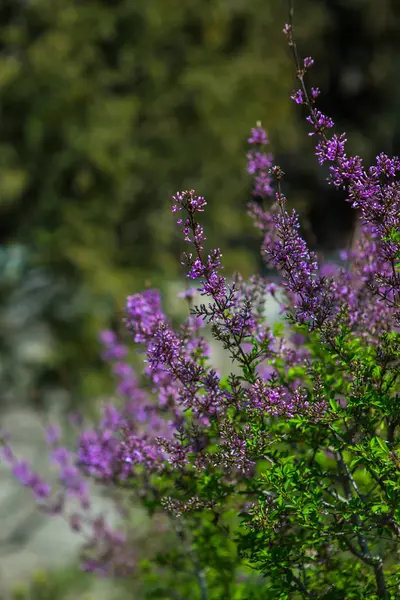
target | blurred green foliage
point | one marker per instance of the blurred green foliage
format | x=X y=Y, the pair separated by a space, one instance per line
x=58 y=585
x=109 y=107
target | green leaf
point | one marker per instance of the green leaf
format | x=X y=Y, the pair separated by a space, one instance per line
x=382 y=445
x=333 y=404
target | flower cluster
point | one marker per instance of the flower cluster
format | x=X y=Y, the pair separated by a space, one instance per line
x=259 y=162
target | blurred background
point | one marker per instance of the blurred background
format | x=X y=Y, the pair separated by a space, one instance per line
x=107 y=108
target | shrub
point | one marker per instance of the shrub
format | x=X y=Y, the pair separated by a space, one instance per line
x=280 y=480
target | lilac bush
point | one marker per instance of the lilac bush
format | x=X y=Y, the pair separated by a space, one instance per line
x=280 y=480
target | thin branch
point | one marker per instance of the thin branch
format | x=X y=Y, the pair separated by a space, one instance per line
x=366 y=558
x=301 y=586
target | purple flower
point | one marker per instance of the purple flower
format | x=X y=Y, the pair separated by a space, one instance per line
x=187 y=294
x=258 y=136
x=190 y=201
x=258 y=161
x=298 y=266
x=287 y=30
x=332 y=149
x=113 y=349
x=23 y=472
x=320 y=122
x=308 y=62
x=315 y=92
x=53 y=434
x=385 y=166
x=215 y=286
x=298 y=97
x=108 y=338
x=60 y=456
x=259 y=164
